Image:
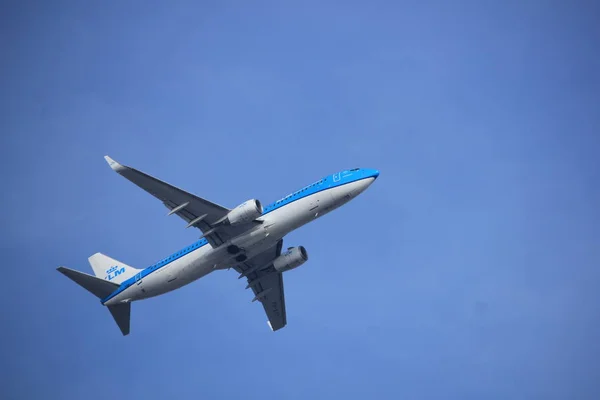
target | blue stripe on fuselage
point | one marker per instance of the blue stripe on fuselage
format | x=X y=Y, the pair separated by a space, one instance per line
x=329 y=182
x=147 y=271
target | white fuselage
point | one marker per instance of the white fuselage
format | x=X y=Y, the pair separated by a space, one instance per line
x=205 y=259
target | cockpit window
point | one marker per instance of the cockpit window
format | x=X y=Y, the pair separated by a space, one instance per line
x=354 y=169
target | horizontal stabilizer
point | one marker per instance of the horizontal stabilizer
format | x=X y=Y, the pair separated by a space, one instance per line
x=121 y=313
x=98 y=287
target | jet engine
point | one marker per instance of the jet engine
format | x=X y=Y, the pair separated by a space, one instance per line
x=292 y=258
x=245 y=212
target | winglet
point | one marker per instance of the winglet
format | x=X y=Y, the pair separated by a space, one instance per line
x=113 y=164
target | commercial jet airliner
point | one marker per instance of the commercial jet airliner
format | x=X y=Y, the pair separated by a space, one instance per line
x=248 y=238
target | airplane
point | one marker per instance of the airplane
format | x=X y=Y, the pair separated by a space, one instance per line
x=247 y=238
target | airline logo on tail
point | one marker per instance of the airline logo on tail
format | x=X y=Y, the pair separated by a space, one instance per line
x=113 y=272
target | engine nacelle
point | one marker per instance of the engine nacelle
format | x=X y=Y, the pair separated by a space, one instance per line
x=292 y=258
x=245 y=212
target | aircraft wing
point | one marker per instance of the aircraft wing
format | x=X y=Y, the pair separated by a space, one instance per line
x=196 y=211
x=267 y=284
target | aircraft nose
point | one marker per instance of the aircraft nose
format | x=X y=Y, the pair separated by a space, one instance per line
x=372 y=173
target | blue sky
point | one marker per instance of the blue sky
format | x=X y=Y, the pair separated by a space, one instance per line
x=469 y=270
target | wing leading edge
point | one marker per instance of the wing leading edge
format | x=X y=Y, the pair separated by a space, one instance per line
x=267 y=284
x=196 y=211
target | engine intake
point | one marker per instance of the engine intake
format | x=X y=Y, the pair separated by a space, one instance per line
x=292 y=258
x=245 y=212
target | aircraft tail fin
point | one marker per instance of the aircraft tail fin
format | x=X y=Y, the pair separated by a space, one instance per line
x=101 y=288
x=110 y=269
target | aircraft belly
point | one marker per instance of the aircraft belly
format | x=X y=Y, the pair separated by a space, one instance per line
x=301 y=212
x=177 y=274
x=343 y=194
x=198 y=270
x=326 y=203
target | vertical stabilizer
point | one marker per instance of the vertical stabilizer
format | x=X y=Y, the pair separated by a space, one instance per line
x=110 y=269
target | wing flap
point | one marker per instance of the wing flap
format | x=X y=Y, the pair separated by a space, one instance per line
x=273 y=301
x=267 y=285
